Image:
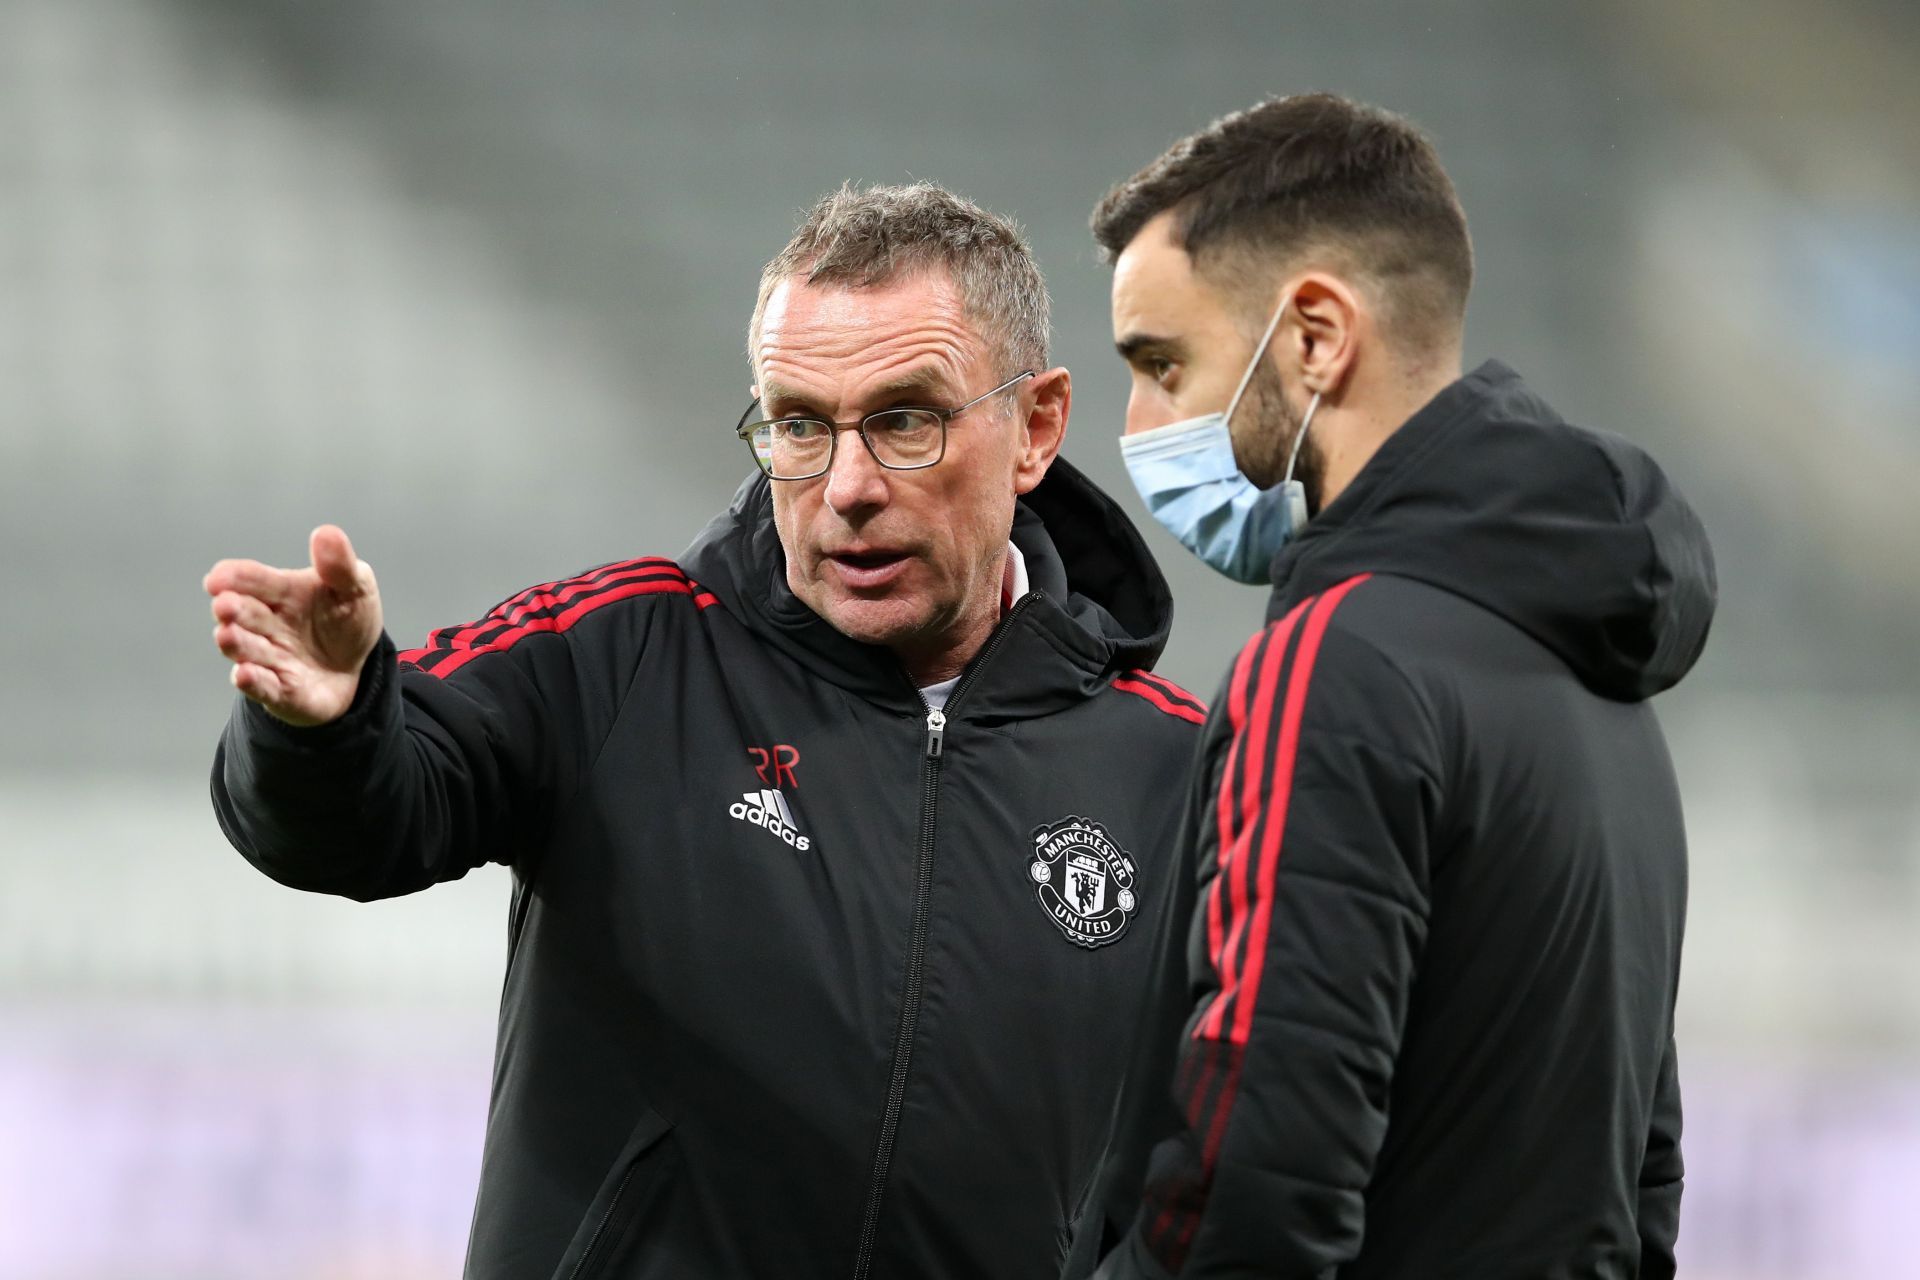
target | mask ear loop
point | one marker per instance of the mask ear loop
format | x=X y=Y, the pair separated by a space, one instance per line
x=1253 y=364
x=1300 y=437
x=1313 y=405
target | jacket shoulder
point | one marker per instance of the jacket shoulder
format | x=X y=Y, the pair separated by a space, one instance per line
x=1162 y=695
x=1433 y=635
x=557 y=608
x=1344 y=660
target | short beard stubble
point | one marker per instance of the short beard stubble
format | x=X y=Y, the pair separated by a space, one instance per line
x=1263 y=431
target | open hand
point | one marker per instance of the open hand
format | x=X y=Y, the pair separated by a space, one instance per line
x=298 y=637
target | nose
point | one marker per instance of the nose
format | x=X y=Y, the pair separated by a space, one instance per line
x=1145 y=412
x=855 y=481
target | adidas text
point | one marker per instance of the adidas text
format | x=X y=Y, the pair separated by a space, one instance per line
x=768 y=810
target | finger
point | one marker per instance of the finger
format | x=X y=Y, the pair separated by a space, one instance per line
x=340 y=570
x=242 y=645
x=251 y=578
x=248 y=612
x=261 y=684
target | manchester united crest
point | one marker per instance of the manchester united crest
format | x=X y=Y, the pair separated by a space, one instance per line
x=1084 y=879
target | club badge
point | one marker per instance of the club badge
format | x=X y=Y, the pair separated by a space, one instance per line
x=1084 y=880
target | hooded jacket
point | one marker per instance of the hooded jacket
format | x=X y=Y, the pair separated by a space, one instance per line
x=1434 y=882
x=803 y=979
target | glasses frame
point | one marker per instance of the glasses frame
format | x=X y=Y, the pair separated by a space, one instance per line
x=745 y=430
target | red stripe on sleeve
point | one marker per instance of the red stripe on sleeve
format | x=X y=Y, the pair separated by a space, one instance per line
x=542 y=595
x=1210 y=1126
x=1141 y=689
x=1283 y=796
x=1156 y=1234
x=1210 y=1148
x=562 y=621
x=574 y=591
x=1223 y=854
x=463 y=636
x=1173 y=691
x=1249 y=719
x=555 y=594
x=1236 y=856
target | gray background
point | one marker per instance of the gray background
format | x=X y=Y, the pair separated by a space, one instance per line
x=472 y=279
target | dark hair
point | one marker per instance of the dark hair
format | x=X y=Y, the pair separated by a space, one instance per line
x=1305 y=175
x=867 y=236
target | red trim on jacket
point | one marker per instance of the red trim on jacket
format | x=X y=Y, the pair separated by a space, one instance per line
x=1277 y=806
x=514 y=619
x=1264 y=810
x=1164 y=694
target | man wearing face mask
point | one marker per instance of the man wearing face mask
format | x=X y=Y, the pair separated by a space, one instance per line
x=1417 y=1019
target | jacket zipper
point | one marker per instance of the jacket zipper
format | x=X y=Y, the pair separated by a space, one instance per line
x=593 y=1241
x=932 y=755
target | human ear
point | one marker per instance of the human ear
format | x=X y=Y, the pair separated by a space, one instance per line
x=1045 y=428
x=1322 y=331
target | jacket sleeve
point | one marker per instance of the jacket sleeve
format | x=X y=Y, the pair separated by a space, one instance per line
x=1661 y=1176
x=1303 y=950
x=1145 y=1114
x=429 y=775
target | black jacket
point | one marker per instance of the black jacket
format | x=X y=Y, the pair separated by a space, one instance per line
x=1435 y=881
x=802 y=980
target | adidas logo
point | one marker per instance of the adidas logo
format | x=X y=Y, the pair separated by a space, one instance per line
x=768 y=809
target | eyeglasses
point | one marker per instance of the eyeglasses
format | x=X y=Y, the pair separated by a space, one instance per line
x=905 y=439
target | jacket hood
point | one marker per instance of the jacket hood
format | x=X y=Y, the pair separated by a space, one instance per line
x=1100 y=605
x=1574 y=536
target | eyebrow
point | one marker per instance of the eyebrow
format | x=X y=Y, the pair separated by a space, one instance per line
x=1135 y=345
x=924 y=386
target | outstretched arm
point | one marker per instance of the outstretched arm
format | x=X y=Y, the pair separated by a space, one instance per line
x=345 y=771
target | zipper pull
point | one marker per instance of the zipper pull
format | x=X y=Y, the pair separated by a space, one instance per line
x=936 y=732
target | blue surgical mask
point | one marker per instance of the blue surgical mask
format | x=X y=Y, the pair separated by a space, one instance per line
x=1188 y=477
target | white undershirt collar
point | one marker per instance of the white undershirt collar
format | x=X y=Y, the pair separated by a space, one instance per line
x=1014 y=585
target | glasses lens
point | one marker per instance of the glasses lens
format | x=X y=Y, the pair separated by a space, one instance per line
x=761 y=441
x=906 y=437
x=793 y=448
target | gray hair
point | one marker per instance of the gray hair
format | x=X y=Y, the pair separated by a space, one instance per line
x=862 y=237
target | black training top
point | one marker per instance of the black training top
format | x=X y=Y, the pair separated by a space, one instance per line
x=1419 y=991
x=803 y=979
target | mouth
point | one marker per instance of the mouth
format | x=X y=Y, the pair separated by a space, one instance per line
x=867 y=569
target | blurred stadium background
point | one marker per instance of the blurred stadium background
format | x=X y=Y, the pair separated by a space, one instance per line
x=471 y=280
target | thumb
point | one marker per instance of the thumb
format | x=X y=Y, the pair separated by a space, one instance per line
x=340 y=571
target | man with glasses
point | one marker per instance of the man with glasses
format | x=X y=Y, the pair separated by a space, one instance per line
x=838 y=843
